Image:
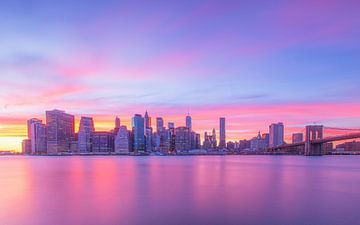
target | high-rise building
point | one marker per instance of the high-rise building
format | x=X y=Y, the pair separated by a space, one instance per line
x=276 y=134
x=210 y=140
x=138 y=132
x=38 y=137
x=102 y=141
x=117 y=123
x=188 y=122
x=159 y=124
x=86 y=130
x=182 y=139
x=59 y=131
x=149 y=139
x=122 y=140
x=297 y=138
x=29 y=122
x=222 y=143
x=147 y=120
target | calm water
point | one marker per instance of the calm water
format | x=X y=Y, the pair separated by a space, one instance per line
x=180 y=190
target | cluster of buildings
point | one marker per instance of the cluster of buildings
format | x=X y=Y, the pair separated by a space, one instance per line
x=57 y=135
x=261 y=142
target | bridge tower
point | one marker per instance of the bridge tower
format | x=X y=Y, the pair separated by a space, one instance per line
x=313 y=132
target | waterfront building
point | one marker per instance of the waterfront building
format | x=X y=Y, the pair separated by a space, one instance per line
x=138 y=133
x=182 y=139
x=122 y=140
x=29 y=122
x=222 y=142
x=38 y=137
x=210 y=140
x=276 y=134
x=26 y=146
x=259 y=143
x=59 y=131
x=102 y=141
x=86 y=130
x=351 y=146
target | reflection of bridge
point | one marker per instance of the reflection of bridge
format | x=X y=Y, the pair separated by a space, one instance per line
x=314 y=140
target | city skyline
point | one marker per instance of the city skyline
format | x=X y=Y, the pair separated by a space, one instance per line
x=254 y=63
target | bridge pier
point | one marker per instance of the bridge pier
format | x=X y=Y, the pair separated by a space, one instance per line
x=313 y=132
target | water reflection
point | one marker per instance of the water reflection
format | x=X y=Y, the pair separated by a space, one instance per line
x=179 y=190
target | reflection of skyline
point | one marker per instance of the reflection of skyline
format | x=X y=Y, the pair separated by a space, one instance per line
x=295 y=62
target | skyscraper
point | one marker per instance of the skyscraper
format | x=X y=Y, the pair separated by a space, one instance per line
x=188 y=122
x=149 y=139
x=138 y=132
x=29 y=122
x=147 y=120
x=276 y=134
x=117 y=123
x=159 y=124
x=148 y=132
x=222 y=143
x=59 y=131
x=86 y=130
x=122 y=140
x=38 y=137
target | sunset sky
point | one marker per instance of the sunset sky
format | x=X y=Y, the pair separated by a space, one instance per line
x=254 y=62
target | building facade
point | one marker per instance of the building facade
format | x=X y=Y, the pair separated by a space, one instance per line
x=138 y=133
x=86 y=130
x=222 y=142
x=59 y=131
x=38 y=138
x=122 y=140
x=182 y=139
x=276 y=134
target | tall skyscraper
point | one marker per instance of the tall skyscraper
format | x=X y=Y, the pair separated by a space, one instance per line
x=38 y=137
x=86 y=130
x=222 y=143
x=159 y=124
x=276 y=134
x=117 y=123
x=122 y=140
x=29 y=122
x=188 y=122
x=138 y=132
x=147 y=120
x=59 y=131
x=149 y=139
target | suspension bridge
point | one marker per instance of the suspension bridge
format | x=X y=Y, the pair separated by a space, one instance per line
x=313 y=145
